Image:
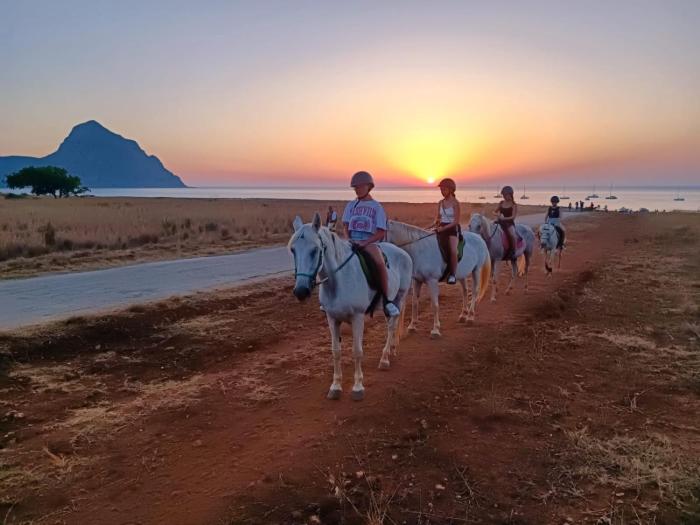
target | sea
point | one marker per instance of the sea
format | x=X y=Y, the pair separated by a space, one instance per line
x=632 y=198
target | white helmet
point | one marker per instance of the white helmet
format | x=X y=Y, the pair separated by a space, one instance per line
x=361 y=177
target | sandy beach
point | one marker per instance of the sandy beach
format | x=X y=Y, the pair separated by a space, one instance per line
x=575 y=403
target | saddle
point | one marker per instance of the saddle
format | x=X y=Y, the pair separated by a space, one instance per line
x=520 y=242
x=446 y=256
x=370 y=270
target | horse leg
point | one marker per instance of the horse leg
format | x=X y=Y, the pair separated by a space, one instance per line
x=494 y=278
x=528 y=256
x=513 y=276
x=464 y=314
x=358 y=329
x=434 y=288
x=476 y=285
x=415 y=295
x=336 y=386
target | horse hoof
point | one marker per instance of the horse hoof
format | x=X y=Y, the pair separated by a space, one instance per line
x=470 y=321
x=411 y=329
x=493 y=299
x=384 y=365
x=358 y=395
x=333 y=395
x=435 y=335
x=462 y=319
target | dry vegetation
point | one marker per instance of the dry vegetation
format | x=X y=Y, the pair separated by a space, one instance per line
x=572 y=404
x=44 y=234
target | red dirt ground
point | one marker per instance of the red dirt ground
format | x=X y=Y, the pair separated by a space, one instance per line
x=576 y=403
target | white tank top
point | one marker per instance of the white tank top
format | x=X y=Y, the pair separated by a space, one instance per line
x=447 y=215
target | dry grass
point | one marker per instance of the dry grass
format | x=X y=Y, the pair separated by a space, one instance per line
x=46 y=234
x=637 y=464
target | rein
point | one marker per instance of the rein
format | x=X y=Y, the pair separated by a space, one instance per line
x=416 y=240
x=314 y=275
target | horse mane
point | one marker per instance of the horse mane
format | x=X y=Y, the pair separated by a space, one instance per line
x=332 y=241
x=406 y=232
x=486 y=224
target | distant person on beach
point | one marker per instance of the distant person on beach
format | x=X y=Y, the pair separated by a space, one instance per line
x=569 y=206
x=576 y=205
x=447 y=225
x=506 y=213
x=365 y=225
x=331 y=218
x=553 y=217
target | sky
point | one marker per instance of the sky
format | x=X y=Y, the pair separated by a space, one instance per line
x=299 y=92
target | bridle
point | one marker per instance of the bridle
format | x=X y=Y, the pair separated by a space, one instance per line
x=313 y=276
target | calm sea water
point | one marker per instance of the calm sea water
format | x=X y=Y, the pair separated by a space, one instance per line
x=632 y=198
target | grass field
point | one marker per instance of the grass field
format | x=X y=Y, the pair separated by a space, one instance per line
x=40 y=235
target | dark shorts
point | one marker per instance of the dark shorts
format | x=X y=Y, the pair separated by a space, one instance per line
x=443 y=237
x=507 y=223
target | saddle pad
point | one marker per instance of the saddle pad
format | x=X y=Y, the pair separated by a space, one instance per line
x=506 y=243
x=367 y=265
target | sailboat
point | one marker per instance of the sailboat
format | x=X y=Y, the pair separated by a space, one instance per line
x=564 y=196
x=524 y=195
x=498 y=194
x=678 y=196
x=593 y=195
x=610 y=194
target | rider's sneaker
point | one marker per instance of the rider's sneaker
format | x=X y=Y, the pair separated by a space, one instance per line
x=451 y=280
x=391 y=309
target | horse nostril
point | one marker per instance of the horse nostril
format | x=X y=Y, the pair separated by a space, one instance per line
x=302 y=292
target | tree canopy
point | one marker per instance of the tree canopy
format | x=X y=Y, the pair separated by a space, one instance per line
x=46 y=180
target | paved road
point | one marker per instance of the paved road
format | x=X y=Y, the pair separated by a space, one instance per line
x=51 y=297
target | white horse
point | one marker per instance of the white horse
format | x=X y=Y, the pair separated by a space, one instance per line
x=429 y=266
x=344 y=293
x=549 y=243
x=493 y=235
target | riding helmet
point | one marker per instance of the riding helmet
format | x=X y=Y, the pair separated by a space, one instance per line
x=554 y=200
x=507 y=190
x=449 y=184
x=361 y=177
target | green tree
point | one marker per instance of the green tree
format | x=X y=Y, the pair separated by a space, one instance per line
x=46 y=180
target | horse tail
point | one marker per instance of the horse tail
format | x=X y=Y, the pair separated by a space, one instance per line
x=485 y=276
x=521 y=265
x=400 y=328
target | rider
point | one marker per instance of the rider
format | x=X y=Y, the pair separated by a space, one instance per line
x=553 y=217
x=506 y=212
x=331 y=218
x=447 y=225
x=365 y=224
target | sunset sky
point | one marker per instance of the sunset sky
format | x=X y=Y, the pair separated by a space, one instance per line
x=287 y=92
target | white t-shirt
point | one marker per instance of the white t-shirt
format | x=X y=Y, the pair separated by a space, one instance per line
x=364 y=218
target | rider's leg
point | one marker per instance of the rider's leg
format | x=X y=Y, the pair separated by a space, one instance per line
x=513 y=242
x=453 y=258
x=376 y=254
x=378 y=260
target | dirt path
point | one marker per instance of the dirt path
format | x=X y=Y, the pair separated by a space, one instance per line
x=571 y=402
x=54 y=297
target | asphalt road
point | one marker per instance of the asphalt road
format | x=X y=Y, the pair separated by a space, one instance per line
x=58 y=296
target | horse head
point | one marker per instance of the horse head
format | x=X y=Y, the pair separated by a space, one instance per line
x=547 y=234
x=475 y=223
x=307 y=249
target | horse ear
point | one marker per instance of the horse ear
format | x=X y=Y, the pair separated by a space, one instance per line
x=316 y=223
x=297 y=223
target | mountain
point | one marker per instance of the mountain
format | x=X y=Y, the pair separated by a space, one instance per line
x=102 y=159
